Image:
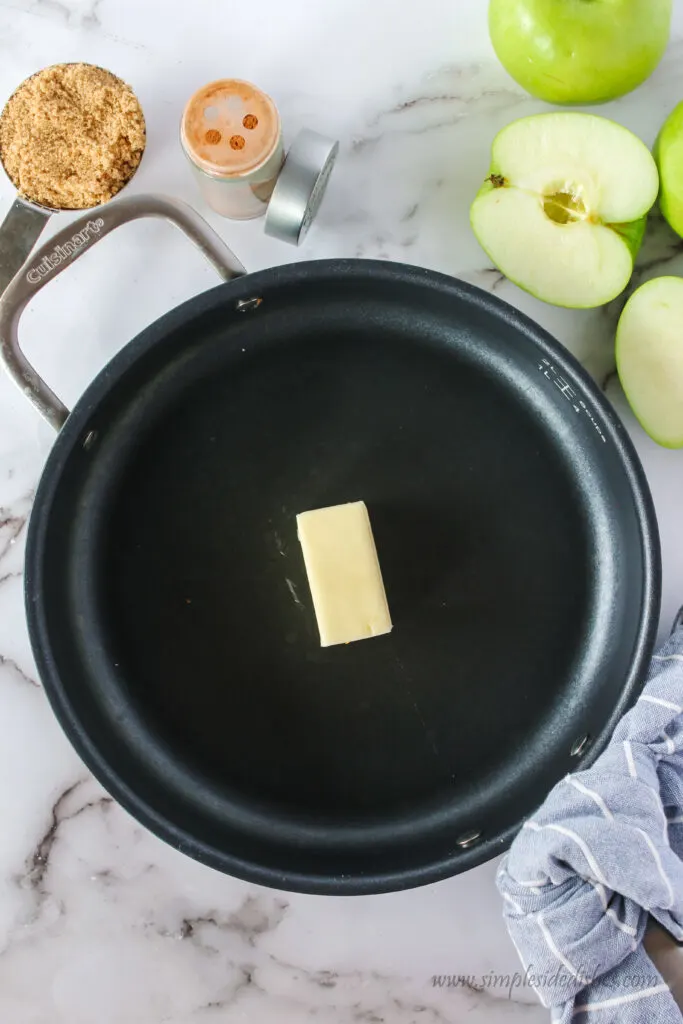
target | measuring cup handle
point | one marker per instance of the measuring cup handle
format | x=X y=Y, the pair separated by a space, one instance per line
x=63 y=249
x=19 y=232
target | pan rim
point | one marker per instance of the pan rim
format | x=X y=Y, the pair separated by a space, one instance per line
x=71 y=437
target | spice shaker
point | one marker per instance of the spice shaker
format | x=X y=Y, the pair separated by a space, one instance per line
x=231 y=133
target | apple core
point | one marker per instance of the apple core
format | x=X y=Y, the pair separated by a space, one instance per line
x=564 y=207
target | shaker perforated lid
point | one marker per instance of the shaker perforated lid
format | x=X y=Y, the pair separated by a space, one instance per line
x=230 y=128
x=300 y=186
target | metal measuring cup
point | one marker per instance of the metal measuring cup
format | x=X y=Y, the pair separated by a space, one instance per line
x=26 y=219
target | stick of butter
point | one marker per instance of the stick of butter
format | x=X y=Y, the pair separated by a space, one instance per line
x=343 y=573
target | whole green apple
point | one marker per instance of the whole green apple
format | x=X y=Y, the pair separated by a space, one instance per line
x=579 y=51
x=669 y=156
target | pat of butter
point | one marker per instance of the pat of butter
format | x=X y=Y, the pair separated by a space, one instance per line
x=343 y=573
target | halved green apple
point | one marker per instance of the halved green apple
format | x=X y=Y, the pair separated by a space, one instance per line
x=650 y=358
x=562 y=212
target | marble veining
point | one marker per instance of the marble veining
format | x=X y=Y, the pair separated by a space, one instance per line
x=100 y=921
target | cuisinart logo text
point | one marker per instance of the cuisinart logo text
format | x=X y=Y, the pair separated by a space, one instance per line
x=61 y=253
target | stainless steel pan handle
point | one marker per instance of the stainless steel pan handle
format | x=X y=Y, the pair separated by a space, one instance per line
x=62 y=250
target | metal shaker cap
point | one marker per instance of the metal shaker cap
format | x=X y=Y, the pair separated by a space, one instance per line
x=300 y=186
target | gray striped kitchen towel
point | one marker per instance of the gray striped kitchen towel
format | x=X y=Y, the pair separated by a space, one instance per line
x=603 y=853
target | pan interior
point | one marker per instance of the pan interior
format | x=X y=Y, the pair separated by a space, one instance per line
x=507 y=537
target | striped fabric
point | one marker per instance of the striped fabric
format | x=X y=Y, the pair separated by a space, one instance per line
x=603 y=852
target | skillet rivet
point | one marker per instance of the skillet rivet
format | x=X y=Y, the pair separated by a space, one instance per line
x=247 y=305
x=89 y=439
x=580 y=746
x=468 y=839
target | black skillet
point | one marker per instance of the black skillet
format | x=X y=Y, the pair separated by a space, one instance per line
x=167 y=599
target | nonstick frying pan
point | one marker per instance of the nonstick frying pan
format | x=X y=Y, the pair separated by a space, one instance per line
x=167 y=599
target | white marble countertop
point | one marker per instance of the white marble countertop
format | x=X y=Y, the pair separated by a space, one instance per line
x=99 y=921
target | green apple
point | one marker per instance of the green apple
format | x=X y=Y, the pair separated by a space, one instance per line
x=562 y=212
x=579 y=51
x=669 y=157
x=650 y=358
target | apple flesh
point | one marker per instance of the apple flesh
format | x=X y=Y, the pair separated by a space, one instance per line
x=669 y=156
x=579 y=51
x=650 y=358
x=562 y=212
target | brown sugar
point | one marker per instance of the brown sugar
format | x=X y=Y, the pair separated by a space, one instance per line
x=71 y=136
